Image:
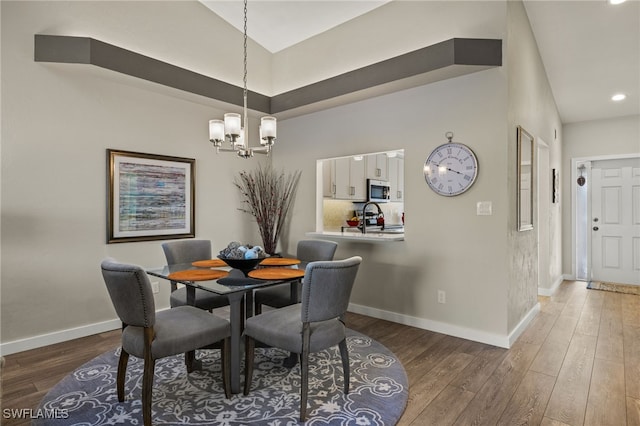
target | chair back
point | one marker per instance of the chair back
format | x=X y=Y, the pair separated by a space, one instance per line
x=186 y=251
x=312 y=250
x=130 y=292
x=327 y=288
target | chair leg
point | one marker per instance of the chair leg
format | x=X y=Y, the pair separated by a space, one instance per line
x=344 y=354
x=189 y=357
x=122 y=373
x=226 y=366
x=147 y=376
x=249 y=349
x=147 y=390
x=304 y=370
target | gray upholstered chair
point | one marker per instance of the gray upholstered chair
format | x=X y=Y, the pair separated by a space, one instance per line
x=187 y=251
x=311 y=326
x=283 y=295
x=150 y=335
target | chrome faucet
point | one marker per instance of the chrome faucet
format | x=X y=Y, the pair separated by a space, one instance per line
x=364 y=215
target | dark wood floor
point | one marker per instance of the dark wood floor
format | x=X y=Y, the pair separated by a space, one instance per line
x=578 y=363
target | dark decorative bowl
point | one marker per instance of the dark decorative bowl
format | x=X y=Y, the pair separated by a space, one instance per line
x=245 y=265
x=353 y=222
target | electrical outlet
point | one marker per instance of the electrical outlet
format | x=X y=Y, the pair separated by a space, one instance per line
x=442 y=297
x=155 y=287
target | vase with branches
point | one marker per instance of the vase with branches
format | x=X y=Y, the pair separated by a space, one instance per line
x=267 y=194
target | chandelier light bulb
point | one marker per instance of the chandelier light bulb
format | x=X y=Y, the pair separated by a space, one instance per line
x=232 y=124
x=216 y=132
x=239 y=142
x=268 y=127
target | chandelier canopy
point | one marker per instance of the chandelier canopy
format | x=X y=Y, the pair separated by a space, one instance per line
x=231 y=129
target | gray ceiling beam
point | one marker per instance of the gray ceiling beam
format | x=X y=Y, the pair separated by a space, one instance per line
x=457 y=51
x=472 y=54
x=84 y=50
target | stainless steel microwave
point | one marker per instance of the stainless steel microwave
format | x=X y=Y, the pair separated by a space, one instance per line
x=378 y=191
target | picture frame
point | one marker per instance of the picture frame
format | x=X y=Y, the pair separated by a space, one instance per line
x=149 y=197
x=525 y=150
x=555 y=186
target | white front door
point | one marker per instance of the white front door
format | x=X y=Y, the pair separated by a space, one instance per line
x=615 y=224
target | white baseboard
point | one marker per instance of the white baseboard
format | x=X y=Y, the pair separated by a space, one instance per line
x=437 y=326
x=59 y=336
x=552 y=290
x=522 y=325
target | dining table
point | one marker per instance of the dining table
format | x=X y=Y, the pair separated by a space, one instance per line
x=237 y=286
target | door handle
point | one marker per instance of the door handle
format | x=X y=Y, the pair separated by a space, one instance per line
x=595 y=228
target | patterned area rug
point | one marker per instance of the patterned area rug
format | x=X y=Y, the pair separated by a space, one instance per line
x=618 y=288
x=378 y=394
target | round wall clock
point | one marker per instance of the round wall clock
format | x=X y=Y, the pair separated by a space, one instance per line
x=451 y=168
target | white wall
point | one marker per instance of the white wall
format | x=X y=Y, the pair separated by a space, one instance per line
x=57 y=122
x=446 y=245
x=618 y=136
x=390 y=30
x=531 y=105
x=59 y=119
x=488 y=270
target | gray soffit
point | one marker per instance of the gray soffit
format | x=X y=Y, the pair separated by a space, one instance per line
x=84 y=50
x=448 y=59
x=413 y=67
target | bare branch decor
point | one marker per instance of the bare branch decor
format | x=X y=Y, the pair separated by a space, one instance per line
x=268 y=195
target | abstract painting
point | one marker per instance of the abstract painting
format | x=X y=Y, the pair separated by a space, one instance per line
x=151 y=197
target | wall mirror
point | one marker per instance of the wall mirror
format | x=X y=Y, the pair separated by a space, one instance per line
x=525 y=180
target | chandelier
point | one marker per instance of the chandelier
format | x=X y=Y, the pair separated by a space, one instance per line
x=231 y=130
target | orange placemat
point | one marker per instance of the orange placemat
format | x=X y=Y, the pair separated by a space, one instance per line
x=276 y=273
x=197 y=275
x=211 y=263
x=279 y=261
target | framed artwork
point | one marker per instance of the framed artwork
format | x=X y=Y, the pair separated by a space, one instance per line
x=525 y=180
x=150 y=197
x=555 y=186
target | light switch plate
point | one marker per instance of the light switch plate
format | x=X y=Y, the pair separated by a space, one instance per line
x=483 y=208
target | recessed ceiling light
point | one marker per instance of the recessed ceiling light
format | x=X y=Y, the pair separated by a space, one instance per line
x=618 y=97
x=616 y=1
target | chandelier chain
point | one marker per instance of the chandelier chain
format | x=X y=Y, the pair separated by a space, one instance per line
x=244 y=79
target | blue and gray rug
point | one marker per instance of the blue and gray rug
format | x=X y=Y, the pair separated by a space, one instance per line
x=378 y=395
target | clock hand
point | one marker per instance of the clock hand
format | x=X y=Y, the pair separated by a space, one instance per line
x=450 y=169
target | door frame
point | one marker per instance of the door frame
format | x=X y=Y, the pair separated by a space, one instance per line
x=574 y=223
x=543 y=171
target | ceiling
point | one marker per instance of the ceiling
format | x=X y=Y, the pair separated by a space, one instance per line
x=590 y=49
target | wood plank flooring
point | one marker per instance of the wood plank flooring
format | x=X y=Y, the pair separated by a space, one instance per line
x=578 y=363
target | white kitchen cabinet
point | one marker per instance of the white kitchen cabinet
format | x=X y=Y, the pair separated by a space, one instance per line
x=349 y=180
x=328 y=179
x=396 y=179
x=377 y=166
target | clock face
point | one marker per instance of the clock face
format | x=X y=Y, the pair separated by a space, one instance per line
x=451 y=169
